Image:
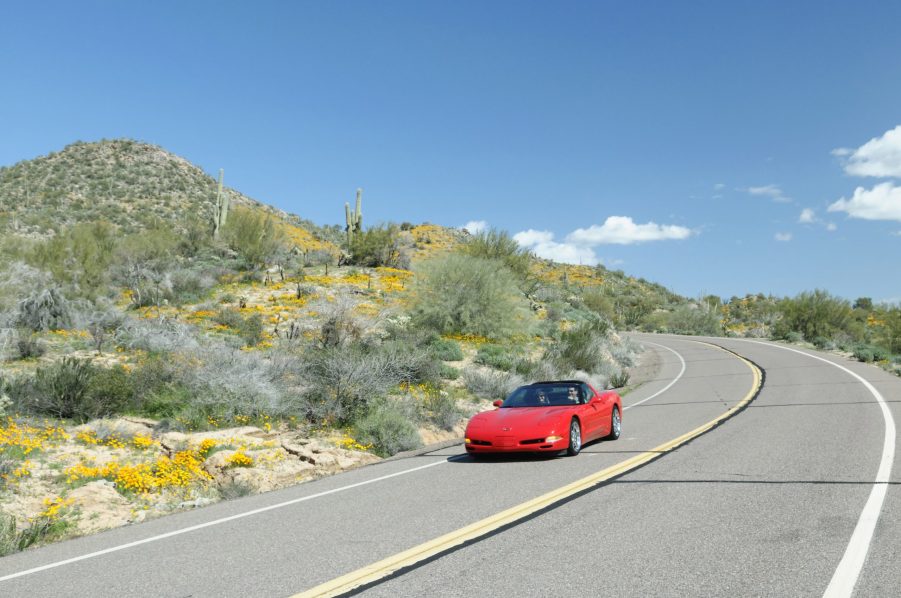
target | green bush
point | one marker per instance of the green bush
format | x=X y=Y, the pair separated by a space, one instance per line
x=389 y=429
x=499 y=246
x=695 y=320
x=377 y=246
x=440 y=409
x=62 y=390
x=619 y=380
x=249 y=328
x=870 y=353
x=813 y=314
x=496 y=356
x=821 y=342
x=447 y=350
x=29 y=346
x=448 y=372
x=864 y=353
x=253 y=234
x=467 y=295
x=110 y=390
x=583 y=347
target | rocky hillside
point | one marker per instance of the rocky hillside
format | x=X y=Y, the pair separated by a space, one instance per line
x=131 y=184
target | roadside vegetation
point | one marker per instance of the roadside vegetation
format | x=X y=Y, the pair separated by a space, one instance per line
x=159 y=358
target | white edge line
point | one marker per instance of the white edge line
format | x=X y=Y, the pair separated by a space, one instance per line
x=192 y=528
x=665 y=388
x=846 y=574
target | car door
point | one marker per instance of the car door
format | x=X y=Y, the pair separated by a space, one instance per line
x=593 y=415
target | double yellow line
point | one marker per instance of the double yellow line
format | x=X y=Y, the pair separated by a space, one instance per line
x=417 y=554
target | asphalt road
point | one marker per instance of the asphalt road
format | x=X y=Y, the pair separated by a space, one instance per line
x=764 y=504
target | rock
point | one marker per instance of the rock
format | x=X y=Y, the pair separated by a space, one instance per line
x=101 y=507
x=197 y=502
x=264 y=479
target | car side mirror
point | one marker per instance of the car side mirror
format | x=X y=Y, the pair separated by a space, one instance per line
x=498 y=403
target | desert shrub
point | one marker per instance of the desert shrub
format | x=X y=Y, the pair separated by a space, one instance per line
x=490 y=384
x=47 y=309
x=870 y=353
x=189 y=286
x=343 y=381
x=821 y=342
x=377 y=246
x=14 y=540
x=389 y=428
x=813 y=314
x=79 y=257
x=583 y=347
x=864 y=353
x=229 y=317
x=469 y=295
x=156 y=336
x=496 y=356
x=619 y=380
x=448 y=372
x=225 y=382
x=29 y=346
x=446 y=349
x=599 y=303
x=254 y=235
x=249 y=328
x=110 y=390
x=537 y=370
x=696 y=320
x=231 y=488
x=61 y=390
x=440 y=409
x=498 y=245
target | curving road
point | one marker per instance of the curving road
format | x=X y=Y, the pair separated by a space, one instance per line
x=780 y=499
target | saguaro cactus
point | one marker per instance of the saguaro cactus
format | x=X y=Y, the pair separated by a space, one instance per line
x=220 y=210
x=354 y=219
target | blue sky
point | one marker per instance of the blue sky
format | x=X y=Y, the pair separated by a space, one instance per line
x=681 y=142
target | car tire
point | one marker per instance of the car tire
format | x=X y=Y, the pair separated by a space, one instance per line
x=575 y=438
x=616 y=424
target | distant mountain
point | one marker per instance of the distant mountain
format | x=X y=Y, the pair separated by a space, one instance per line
x=132 y=184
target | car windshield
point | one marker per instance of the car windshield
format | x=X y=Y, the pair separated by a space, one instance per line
x=544 y=395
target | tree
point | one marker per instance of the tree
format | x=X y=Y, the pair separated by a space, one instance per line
x=254 y=235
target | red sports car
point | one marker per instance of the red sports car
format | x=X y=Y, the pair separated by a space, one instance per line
x=546 y=417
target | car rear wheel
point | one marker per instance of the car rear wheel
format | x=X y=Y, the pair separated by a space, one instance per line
x=575 y=438
x=616 y=424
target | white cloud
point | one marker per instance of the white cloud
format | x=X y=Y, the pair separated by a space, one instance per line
x=475 y=226
x=879 y=157
x=542 y=244
x=784 y=237
x=831 y=227
x=622 y=230
x=807 y=216
x=719 y=186
x=774 y=192
x=882 y=202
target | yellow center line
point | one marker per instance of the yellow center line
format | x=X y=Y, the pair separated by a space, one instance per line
x=388 y=566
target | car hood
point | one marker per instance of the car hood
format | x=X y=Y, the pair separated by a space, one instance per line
x=520 y=418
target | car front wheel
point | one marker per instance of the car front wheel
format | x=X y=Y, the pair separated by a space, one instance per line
x=616 y=424
x=575 y=438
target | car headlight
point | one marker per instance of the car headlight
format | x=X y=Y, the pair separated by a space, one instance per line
x=553 y=438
